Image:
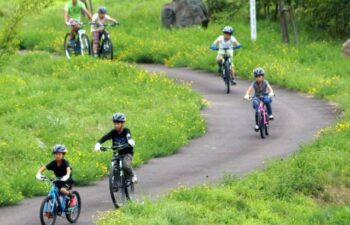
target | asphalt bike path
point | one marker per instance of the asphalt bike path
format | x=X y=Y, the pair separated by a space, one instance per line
x=230 y=145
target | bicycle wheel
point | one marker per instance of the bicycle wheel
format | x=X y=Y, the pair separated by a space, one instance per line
x=117 y=187
x=261 y=125
x=227 y=73
x=73 y=213
x=68 y=50
x=48 y=211
x=85 y=47
x=107 y=49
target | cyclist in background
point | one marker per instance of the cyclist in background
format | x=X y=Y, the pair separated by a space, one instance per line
x=98 y=20
x=72 y=17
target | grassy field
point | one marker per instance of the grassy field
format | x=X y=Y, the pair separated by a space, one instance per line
x=311 y=187
x=47 y=100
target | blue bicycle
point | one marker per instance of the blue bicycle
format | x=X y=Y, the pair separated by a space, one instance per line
x=55 y=204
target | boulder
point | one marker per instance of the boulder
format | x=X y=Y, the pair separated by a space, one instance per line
x=346 y=48
x=168 y=15
x=183 y=13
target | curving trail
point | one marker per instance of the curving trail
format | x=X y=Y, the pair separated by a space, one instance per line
x=229 y=146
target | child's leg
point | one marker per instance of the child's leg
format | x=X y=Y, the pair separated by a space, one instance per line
x=96 y=38
x=127 y=161
x=256 y=107
x=65 y=191
x=268 y=101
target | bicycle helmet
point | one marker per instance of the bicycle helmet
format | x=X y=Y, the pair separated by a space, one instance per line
x=102 y=9
x=118 y=117
x=228 y=30
x=259 y=71
x=59 y=148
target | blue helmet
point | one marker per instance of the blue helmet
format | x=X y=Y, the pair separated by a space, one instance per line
x=119 y=117
x=228 y=30
x=59 y=148
x=258 y=72
x=102 y=9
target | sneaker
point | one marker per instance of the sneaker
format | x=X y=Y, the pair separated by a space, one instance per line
x=134 y=179
x=73 y=201
x=271 y=117
x=256 y=128
x=95 y=55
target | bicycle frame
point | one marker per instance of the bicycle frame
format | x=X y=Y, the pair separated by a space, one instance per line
x=55 y=195
x=262 y=111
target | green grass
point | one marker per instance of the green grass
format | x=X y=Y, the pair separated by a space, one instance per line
x=311 y=187
x=46 y=100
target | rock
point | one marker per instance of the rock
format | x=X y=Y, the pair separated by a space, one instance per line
x=183 y=13
x=346 y=48
x=168 y=15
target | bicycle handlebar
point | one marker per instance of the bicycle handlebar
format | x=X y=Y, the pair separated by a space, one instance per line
x=117 y=147
x=104 y=25
x=260 y=96
x=44 y=178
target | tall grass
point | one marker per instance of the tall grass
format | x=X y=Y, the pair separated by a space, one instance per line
x=47 y=100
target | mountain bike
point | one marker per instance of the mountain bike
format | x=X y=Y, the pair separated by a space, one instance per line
x=105 y=47
x=120 y=187
x=263 y=118
x=226 y=66
x=81 y=44
x=56 y=204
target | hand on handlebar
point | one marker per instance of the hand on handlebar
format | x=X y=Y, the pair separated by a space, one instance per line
x=246 y=97
x=272 y=94
x=39 y=176
x=214 y=47
x=98 y=147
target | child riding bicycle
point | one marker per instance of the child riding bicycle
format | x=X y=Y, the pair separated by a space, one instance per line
x=226 y=41
x=262 y=88
x=121 y=135
x=98 y=20
x=62 y=170
x=72 y=16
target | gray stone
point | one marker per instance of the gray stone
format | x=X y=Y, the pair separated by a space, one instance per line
x=346 y=48
x=183 y=13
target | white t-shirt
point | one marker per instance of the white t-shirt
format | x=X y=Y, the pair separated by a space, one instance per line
x=96 y=19
x=232 y=42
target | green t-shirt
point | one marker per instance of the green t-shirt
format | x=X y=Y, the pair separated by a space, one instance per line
x=74 y=11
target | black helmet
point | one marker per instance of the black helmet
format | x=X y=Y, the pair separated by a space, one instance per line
x=102 y=9
x=59 y=148
x=118 y=117
x=258 y=72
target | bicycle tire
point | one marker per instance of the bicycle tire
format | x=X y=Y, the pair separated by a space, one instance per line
x=261 y=125
x=117 y=187
x=42 y=213
x=67 y=49
x=227 y=74
x=85 y=46
x=107 y=54
x=69 y=216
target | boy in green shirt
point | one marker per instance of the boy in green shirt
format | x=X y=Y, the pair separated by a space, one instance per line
x=72 y=16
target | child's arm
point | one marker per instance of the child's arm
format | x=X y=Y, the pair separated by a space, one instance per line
x=215 y=44
x=247 y=94
x=112 y=19
x=66 y=177
x=39 y=174
x=270 y=90
x=102 y=140
x=66 y=17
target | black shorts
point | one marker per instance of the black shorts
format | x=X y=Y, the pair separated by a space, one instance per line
x=65 y=184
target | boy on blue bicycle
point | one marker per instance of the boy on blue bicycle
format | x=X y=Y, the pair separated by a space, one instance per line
x=261 y=88
x=61 y=169
x=226 y=41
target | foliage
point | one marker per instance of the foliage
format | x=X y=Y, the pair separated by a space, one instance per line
x=19 y=11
